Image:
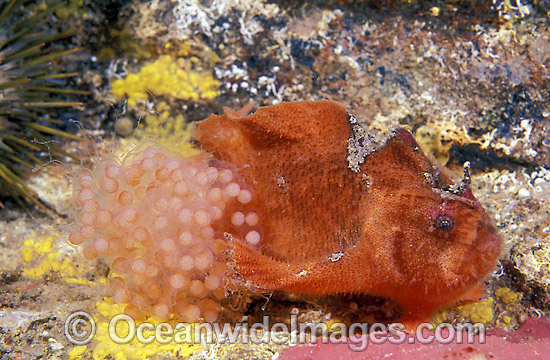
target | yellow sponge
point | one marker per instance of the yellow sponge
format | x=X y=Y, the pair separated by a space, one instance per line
x=178 y=78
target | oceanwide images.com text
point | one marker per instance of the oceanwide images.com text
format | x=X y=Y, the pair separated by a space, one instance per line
x=80 y=329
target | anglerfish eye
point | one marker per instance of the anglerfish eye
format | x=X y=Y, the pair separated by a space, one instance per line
x=443 y=222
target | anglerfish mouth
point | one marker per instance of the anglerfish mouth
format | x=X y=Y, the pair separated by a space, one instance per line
x=481 y=255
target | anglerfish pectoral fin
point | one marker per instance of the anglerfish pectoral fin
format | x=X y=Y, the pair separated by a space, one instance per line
x=265 y=273
x=262 y=271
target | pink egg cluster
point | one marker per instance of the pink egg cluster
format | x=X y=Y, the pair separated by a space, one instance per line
x=159 y=221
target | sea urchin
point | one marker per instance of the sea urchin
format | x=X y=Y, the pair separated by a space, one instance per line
x=30 y=89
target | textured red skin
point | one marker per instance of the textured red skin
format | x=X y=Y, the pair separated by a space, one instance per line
x=327 y=229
